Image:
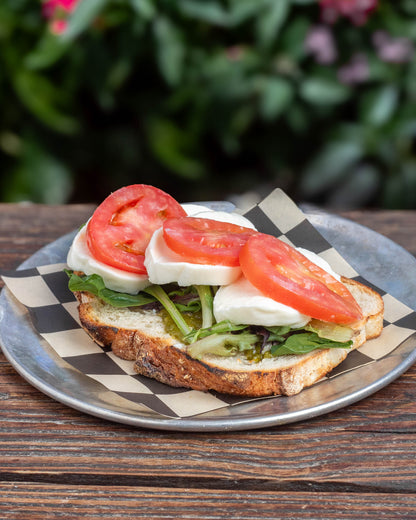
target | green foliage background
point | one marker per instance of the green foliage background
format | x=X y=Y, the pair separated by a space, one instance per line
x=203 y=99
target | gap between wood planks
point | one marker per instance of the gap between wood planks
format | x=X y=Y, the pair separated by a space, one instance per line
x=205 y=483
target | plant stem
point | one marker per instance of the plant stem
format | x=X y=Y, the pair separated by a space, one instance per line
x=163 y=298
x=205 y=295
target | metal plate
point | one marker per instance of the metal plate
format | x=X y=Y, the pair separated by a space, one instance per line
x=378 y=259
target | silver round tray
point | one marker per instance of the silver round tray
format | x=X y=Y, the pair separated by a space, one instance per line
x=376 y=258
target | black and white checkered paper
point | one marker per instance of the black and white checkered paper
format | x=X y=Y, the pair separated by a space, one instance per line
x=53 y=308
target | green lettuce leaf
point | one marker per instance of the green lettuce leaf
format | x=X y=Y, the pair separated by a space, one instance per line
x=305 y=342
x=94 y=284
x=218 y=328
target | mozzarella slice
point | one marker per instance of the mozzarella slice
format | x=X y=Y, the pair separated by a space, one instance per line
x=243 y=304
x=193 y=209
x=80 y=259
x=165 y=266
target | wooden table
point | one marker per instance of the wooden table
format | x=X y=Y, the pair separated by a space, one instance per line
x=56 y=462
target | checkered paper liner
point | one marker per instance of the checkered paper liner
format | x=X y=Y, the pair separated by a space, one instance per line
x=44 y=292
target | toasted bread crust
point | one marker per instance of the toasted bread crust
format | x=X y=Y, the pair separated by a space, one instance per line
x=159 y=356
x=175 y=367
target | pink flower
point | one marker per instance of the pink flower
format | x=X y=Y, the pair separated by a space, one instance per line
x=356 y=71
x=57 y=12
x=320 y=43
x=357 y=11
x=393 y=50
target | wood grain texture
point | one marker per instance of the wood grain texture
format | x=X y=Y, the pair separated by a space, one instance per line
x=25 y=228
x=33 y=502
x=56 y=462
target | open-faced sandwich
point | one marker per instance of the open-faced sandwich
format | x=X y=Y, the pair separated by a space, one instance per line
x=200 y=299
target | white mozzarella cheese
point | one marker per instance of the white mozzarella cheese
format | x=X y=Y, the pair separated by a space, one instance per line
x=242 y=303
x=80 y=259
x=165 y=266
x=193 y=209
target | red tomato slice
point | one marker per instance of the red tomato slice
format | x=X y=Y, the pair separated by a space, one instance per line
x=122 y=226
x=280 y=272
x=205 y=241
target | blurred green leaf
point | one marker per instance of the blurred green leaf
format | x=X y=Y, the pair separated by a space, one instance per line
x=379 y=105
x=227 y=79
x=408 y=169
x=297 y=118
x=242 y=118
x=170 y=50
x=8 y=21
x=409 y=6
x=82 y=17
x=399 y=188
x=47 y=52
x=270 y=21
x=42 y=98
x=145 y=8
x=293 y=38
x=243 y=10
x=275 y=97
x=410 y=83
x=323 y=91
x=329 y=166
x=208 y=11
x=173 y=148
x=39 y=177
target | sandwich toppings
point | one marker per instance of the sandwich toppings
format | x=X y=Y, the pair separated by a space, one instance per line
x=254 y=293
x=284 y=274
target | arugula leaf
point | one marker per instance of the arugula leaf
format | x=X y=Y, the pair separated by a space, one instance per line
x=94 y=284
x=277 y=333
x=218 y=328
x=186 y=299
x=304 y=343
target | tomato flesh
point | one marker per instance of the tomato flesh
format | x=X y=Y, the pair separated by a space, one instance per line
x=282 y=273
x=121 y=227
x=206 y=241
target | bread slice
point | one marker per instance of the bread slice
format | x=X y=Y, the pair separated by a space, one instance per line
x=140 y=336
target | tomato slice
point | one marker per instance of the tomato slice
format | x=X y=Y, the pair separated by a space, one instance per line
x=282 y=273
x=206 y=241
x=122 y=226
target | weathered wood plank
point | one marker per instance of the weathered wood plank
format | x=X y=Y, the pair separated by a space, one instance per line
x=37 y=502
x=25 y=228
x=370 y=444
